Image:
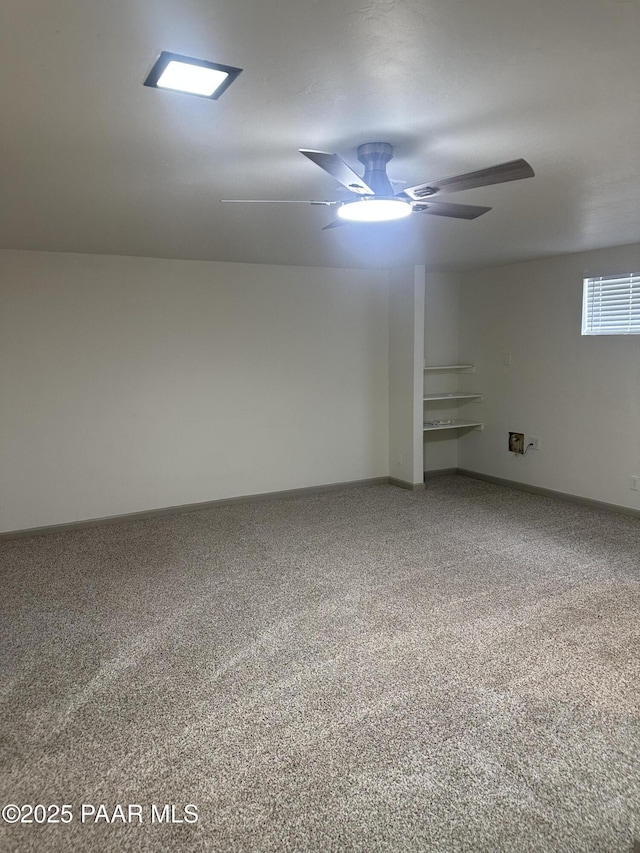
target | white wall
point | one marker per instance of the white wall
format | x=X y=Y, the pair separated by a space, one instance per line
x=130 y=384
x=406 y=348
x=581 y=395
x=441 y=335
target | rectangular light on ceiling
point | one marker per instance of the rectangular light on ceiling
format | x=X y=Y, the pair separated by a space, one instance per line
x=191 y=76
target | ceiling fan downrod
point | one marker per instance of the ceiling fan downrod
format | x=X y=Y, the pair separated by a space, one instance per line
x=374 y=156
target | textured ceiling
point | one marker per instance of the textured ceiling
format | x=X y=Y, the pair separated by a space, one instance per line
x=92 y=161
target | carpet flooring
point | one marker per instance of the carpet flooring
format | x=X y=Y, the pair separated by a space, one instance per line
x=365 y=670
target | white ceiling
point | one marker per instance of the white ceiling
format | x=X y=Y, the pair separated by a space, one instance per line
x=92 y=161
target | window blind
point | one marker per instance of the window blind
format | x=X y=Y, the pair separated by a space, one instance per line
x=611 y=305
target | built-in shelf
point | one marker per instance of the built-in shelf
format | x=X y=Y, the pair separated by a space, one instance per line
x=454 y=395
x=433 y=423
x=448 y=367
x=453 y=424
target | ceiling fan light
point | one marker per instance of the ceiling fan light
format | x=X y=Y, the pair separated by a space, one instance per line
x=374 y=210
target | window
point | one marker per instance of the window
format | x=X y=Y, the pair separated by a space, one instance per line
x=611 y=305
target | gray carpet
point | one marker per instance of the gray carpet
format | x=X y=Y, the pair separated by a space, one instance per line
x=365 y=670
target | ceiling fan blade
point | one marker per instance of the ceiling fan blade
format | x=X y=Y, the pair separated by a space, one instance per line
x=514 y=170
x=335 y=224
x=272 y=201
x=457 y=211
x=339 y=170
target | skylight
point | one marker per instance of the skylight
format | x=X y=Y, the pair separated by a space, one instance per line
x=191 y=76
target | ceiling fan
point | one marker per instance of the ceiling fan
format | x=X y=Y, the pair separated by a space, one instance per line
x=374 y=199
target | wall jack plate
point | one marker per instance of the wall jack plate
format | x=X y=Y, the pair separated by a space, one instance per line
x=516 y=442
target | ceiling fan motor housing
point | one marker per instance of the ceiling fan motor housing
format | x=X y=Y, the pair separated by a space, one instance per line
x=374 y=156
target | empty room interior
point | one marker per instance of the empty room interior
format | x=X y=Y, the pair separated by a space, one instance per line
x=320 y=426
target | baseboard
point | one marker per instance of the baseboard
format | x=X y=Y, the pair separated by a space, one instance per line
x=550 y=493
x=439 y=472
x=405 y=484
x=311 y=490
x=195 y=507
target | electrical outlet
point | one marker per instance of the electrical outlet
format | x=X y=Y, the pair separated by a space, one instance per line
x=516 y=442
x=635 y=483
x=535 y=442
